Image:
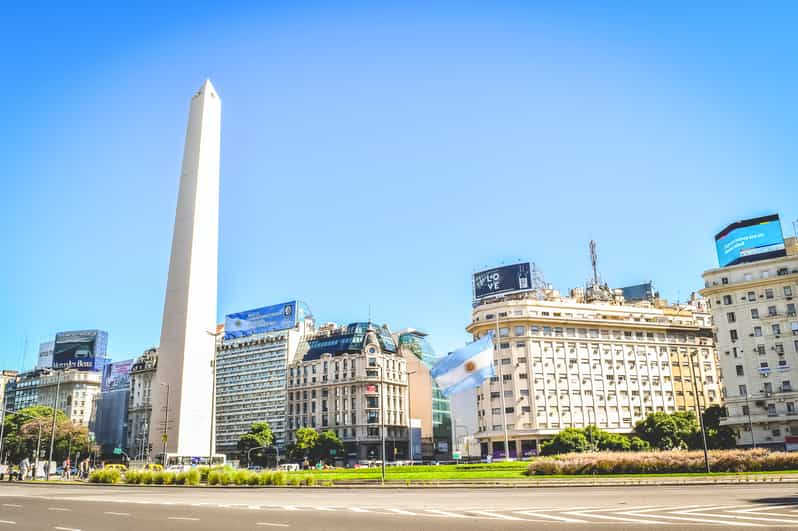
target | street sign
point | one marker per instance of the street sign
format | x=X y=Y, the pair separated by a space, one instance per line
x=456 y=455
x=117 y=451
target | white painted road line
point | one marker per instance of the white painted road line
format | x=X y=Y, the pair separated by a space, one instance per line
x=12 y=505
x=58 y=509
x=739 y=520
x=496 y=515
x=689 y=519
x=272 y=524
x=358 y=510
x=66 y=528
x=117 y=514
x=402 y=511
x=189 y=518
x=446 y=514
x=8 y=522
x=592 y=514
x=539 y=513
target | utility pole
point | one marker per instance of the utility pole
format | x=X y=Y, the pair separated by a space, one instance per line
x=382 y=410
x=750 y=424
x=501 y=388
x=52 y=429
x=2 y=424
x=165 y=436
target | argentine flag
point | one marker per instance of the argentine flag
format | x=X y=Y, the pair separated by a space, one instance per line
x=465 y=368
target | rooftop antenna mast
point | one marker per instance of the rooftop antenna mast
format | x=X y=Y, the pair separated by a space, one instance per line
x=593 y=261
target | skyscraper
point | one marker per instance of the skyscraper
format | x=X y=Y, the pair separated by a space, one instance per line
x=181 y=410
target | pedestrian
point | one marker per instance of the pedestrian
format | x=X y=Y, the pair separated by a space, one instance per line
x=68 y=469
x=23 y=468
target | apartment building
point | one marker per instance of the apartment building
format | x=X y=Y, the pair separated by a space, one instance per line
x=588 y=359
x=351 y=380
x=754 y=309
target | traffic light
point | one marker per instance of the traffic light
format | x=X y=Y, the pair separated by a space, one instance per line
x=149 y=448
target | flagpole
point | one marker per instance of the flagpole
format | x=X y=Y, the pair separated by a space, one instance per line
x=501 y=388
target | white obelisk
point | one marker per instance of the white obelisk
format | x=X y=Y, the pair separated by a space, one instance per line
x=183 y=377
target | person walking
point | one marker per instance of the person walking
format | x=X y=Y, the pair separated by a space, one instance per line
x=23 y=469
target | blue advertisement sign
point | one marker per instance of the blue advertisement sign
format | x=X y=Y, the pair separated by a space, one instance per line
x=750 y=240
x=503 y=279
x=116 y=376
x=80 y=349
x=268 y=319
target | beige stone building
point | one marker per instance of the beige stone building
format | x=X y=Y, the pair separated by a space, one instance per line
x=77 y=391
x=588 y=360
x=139 y=411
x=754 y=310
x=353 y=381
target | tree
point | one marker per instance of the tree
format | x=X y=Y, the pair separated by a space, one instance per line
x=327 y=446
x=259 y=435
x=568 y=440
x=305 y=440
x=669 y=431
x=21 y=432
x=718 y=437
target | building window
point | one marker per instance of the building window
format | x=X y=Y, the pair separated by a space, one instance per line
x=771 y=410
x=776 y=328
x=743 y=390
x=740 y=371
x=733 y=335
x=730 y=317
x=751 y=296
x=727 y=299
x=768 y=293
x=758 y=331
x=754 y=313
x=772 y=311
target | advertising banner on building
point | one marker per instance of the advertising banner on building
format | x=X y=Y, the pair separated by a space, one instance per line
x=267 y=319
x=116 y=376
x=750 y=240
x=500 y=280
x=79 y=349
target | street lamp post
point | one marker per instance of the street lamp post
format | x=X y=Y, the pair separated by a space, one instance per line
x=164 y=436
x=698 y=410
x=750 y=424
x=2 y=424
x=249 y=453
x=52 y=428
x=211 y=445
x=382 y=415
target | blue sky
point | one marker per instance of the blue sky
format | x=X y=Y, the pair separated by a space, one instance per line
x=374 y=157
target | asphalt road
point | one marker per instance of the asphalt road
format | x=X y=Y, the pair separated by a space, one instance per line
x=95 y=508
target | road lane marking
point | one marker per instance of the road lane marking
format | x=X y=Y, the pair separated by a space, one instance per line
x=9 y=522
x=66 y=528
x=539 y=513
x=325 y=508
x=688 y=519
x=189 y=518
x=58 y=509
x=496 y=515
x=117 y=514
x=358 y=510
x=272 y=524
x=402 y=511
x=592 y=514
x=12 y=505
x=446 y=514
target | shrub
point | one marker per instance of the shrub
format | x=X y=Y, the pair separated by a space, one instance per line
x=133 y=477
x=295 y=481
x=215 y=477
x=192 y=477
x=105 y=476
x=310 y=481
x=146 y=477
x=168 y=478
x=241 y=477
x=663 y=462
x=279 y=478
x=265 y=478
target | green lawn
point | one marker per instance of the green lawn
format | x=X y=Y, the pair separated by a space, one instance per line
x=512 y=470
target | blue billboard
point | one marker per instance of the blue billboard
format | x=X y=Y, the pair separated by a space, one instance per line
x=268 y=319
x=84 y=350
x=750 y=240
x=504 y=279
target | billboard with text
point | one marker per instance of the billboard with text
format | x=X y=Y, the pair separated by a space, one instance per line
x=79 y=349
x=500 y=280
x=266 y=319
x=750 y=240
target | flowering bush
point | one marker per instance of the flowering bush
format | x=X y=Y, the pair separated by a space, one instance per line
x=665 y=462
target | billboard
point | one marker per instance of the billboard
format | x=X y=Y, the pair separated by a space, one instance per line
x=504 y=279
x=79 y=349
x=267 y=319
x=750 y=240
x=116 y=376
